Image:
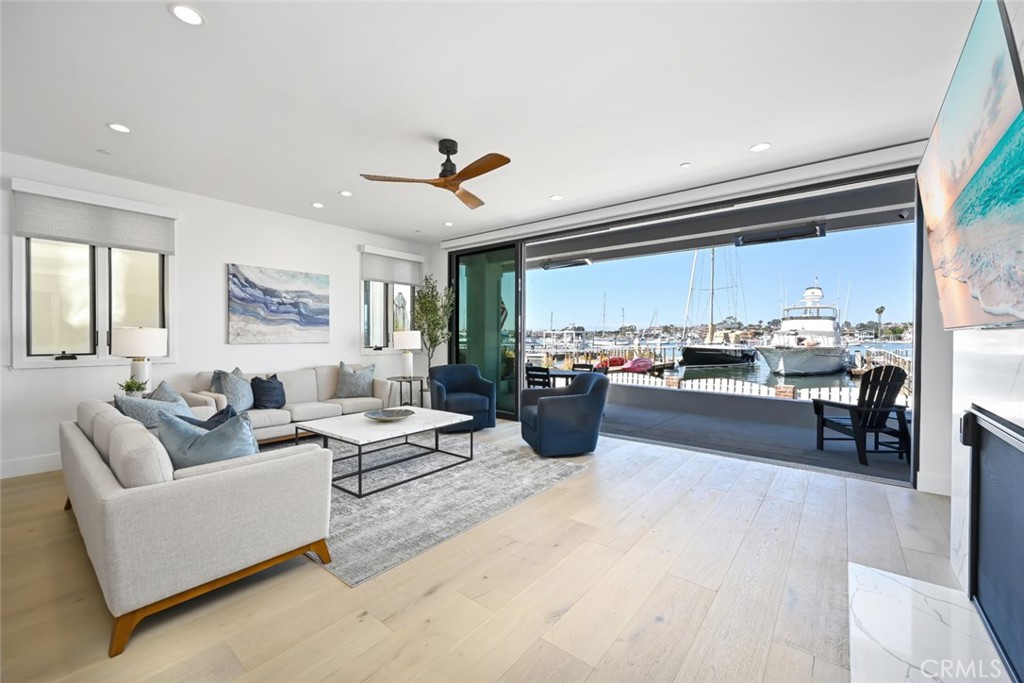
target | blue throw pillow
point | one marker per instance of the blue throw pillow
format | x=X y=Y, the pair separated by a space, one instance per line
x=215 y=420
x=165 y=392
x=235 y=387
x=267 y=393
x=188 y=445
x=146 y=410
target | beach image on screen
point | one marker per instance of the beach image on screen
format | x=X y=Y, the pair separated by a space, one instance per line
x=971 y=180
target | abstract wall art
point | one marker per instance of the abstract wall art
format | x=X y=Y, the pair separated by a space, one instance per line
x=272 y=306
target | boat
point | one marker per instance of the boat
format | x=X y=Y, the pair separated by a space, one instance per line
x=710 y=352
x=810 y=341
x=639 y=364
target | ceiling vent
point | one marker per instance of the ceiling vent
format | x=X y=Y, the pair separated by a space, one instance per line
x=784 y=235
x=551 y=264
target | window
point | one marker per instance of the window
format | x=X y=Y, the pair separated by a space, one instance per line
x=136 y=289
x=61 y=298
x=387 y=308
x=389 y=280
x=83 y=264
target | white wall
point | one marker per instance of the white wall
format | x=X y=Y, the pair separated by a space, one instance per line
x=988 y=369
x=934 y=388
x=210 y=234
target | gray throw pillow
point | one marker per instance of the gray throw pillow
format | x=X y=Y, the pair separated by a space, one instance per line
x=235 y=387
x=146 y=410
x=353 y=383
x=165 y=392
x=188 y=445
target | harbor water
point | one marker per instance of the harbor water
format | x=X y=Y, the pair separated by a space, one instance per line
x=759 y=373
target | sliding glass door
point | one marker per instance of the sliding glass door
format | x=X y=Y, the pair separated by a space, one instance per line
x=487 y=312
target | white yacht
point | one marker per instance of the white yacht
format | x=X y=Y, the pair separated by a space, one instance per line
x=810 y=341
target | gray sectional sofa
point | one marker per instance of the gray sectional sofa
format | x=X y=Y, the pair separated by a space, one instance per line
x=309 y=395
x=158 y=536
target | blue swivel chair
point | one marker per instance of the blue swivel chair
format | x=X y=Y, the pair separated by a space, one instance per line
x=565 y=420
x=461 y=389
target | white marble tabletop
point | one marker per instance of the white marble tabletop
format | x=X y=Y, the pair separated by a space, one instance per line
x=359 y=430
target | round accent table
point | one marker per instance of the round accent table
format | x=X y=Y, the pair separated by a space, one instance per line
x=402 y=381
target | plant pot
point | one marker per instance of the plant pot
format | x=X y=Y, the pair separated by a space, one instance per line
x=134 y=394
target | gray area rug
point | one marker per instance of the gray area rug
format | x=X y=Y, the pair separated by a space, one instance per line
x=373 y=534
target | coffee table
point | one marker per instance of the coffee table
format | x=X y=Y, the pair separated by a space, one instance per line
x=362 y=432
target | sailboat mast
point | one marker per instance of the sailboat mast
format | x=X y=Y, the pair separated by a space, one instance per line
x=711 y=303
x=849 y=285
x=689 y=295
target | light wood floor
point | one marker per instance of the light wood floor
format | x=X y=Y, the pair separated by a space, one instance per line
x=652 y=565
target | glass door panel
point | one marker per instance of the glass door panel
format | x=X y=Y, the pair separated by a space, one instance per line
x=487 y=319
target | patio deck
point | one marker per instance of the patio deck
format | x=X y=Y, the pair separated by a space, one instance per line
x=749 y=437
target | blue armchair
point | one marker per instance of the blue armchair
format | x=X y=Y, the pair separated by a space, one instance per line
x=566 y=420
x=461 y=389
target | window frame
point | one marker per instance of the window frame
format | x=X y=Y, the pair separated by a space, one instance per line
x=93 y=338
x=389 y=317
x=162 y=270
x=20 y=319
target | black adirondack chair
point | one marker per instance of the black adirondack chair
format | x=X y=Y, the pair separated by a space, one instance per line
x=538 y=377
x=875 y=407
x=583 y=367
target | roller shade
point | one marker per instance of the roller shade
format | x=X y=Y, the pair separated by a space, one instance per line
x=42 y=217
x=382 y=268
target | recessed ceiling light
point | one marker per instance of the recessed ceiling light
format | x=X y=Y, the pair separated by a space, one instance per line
x=556 y=197
x=448 y=224
x=104 y=152
x=317 y=205
x=685 y=164
x=119 y=128
x=761 y=146
x=345 y=193
x=187 y=15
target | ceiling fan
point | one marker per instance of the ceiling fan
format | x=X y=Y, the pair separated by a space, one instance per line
x=451 y=179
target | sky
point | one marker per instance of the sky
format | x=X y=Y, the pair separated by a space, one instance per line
x=876 y=266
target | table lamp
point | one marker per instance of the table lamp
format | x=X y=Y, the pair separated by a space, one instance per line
x=139 y=344
x=408 y=342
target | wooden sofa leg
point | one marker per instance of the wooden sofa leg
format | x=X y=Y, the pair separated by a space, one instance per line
x=124 y=625
x=320 y=548
x=67 y=503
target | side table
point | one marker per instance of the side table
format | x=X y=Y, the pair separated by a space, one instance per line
x=402 y=381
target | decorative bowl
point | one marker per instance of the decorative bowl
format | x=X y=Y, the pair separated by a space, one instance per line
x=389 y=414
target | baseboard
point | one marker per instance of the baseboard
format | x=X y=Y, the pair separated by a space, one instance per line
x=934 y=483
x=34 y=464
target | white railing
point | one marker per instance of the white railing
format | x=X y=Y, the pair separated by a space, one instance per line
x=636 y=379
x=841 y=394
x=721 y=385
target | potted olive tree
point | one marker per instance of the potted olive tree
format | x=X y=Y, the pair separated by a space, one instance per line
x=431 y=314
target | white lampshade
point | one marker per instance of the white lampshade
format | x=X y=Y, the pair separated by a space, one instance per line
x=138 y=342
x=408 y=340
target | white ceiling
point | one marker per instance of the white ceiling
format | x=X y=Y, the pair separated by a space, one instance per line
x=278 y=105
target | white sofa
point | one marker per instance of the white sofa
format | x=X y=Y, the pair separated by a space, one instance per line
x=309 y=395
x=157 y=537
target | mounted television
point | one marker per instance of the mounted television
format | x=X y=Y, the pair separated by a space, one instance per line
x=971 y=179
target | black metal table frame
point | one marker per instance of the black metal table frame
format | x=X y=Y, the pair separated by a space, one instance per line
x=360 y=470
x=402 y=380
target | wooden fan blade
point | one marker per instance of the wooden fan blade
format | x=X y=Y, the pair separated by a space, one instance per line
x=468 y=198
x=395 y=179
x=484 y=164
